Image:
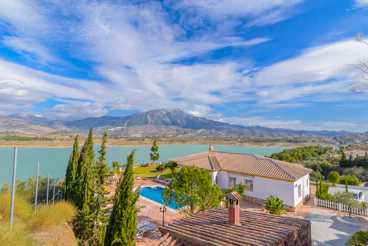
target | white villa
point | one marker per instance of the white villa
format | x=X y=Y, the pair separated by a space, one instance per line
x=264 y=176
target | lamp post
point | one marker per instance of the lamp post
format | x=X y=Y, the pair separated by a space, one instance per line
x=163 y=210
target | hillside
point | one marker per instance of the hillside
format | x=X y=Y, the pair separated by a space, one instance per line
x=160 y=122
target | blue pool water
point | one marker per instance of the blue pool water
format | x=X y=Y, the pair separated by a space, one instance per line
x=155 y=194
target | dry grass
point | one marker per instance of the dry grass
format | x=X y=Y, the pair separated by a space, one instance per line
x=52 y=215
x=26 y=224
x=22 y=208
x=18 y=235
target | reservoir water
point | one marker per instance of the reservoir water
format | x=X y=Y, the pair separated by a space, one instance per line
x=53 y=161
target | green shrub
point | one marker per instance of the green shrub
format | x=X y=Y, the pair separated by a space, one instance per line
x=362 y=239
x=350 y=179
x=324 y=189
x=326 y=196
x=360 y=172
x=274 y=205
x=333 y=177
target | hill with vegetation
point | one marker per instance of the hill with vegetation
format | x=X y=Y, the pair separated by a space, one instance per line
x=160 y=122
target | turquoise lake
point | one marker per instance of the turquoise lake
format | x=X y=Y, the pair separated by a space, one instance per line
x=53 y=161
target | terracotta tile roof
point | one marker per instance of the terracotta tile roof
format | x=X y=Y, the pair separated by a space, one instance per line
x=235 y=195
x=212 y=228
x=244 y=163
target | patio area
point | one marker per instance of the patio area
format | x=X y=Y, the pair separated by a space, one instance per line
x=151 y=212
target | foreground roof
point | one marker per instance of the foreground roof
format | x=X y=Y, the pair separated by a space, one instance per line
x=212 y=228
x=244 y=163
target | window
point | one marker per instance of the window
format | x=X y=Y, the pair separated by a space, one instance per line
x=249 y=183
x=299 y=190
x=232 y=181
x=307 y=182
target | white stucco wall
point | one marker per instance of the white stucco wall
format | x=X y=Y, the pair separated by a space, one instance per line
x=305 y=189
x=223 y=180
x=214 y=175
x=264 y=187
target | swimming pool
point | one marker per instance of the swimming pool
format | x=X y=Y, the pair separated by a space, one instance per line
x=155 y=194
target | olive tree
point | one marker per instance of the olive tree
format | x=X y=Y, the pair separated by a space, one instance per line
x=192 y=190
x=347 y=198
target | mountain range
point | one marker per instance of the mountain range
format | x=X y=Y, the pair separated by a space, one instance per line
x=170 y=122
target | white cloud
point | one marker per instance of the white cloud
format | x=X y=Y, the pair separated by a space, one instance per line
x=263 y=121
x=10 y=108
x=31 y=48
x=138 y=52
x=261 y=12
x=293 y=124
x=16 y=92
x=338 y=124
x=73 y=110
x=361 y=3
x=314 y=64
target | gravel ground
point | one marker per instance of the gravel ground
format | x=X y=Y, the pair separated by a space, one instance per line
x=326 y=228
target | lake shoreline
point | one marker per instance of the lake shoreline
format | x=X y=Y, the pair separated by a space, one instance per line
x=69 y=144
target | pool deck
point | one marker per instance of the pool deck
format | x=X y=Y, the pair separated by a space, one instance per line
x=151 y=212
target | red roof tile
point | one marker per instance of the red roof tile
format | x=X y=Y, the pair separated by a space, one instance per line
x=212 y=228
x=244 y=163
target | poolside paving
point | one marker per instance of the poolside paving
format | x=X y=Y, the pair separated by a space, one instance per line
x=151 y=212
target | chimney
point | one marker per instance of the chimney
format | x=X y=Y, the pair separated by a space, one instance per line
x=234 y=207
x=211 y=147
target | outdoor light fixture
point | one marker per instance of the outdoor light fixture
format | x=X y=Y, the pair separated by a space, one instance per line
x=163 y=209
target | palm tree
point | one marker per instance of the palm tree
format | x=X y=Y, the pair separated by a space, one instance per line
x=274 y=205
x=172 y=166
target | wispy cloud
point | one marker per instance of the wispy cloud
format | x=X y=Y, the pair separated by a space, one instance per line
x=314 y=64
x=73 y=110
x=292 y=124
x=361 y=3
x=142 y=56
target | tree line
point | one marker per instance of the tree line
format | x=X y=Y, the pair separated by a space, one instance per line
x=358 y=161
x=301 y=153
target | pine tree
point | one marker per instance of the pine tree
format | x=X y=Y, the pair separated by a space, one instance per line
x=102 y=172
x=155 y=156
x=122 y=226
x=71 y=171
x=84 y=191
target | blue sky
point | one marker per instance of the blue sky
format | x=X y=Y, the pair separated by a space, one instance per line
x=280 y=63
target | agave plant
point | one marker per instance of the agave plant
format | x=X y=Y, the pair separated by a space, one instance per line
x=274 y=205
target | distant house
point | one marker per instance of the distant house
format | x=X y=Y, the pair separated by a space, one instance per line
x=232 y=226
x=264 y=176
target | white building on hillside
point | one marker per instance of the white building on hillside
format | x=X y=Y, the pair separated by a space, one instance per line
x=264 y=176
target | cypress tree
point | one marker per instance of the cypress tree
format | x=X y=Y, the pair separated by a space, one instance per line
x=122 y=226
x=317 y=189
x=71 y=171
x=102 y=172
x=84 y=191
x=155 y=156
x=343 y=161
